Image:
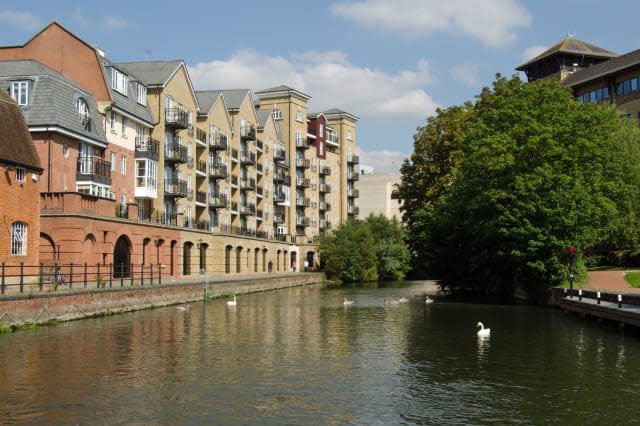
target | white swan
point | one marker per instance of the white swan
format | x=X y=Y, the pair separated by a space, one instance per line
x=428 y=300
x=403 y=300
x=388 y=302
x=347 y=302
x=483 y=332
x=232 y=302
x=183 y=308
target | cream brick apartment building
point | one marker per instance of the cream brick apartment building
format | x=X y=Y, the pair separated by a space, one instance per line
x=214 y=180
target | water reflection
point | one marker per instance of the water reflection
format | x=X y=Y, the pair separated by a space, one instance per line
x=297 y=356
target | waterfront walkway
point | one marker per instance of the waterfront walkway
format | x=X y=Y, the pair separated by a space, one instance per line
x=609 y=282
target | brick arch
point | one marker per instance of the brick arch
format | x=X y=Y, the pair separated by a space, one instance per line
x=89 y=246
x=48 y=252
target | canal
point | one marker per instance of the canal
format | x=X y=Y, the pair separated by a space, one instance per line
x=299 y=356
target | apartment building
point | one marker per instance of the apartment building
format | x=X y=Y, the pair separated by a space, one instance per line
x=141 y=168
x=20 y=172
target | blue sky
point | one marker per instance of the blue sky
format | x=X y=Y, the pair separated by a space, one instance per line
x=390 y=63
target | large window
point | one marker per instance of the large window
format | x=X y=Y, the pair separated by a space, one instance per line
x=628 y=86
x=20 y=92
x=596 y=95
x=19 y=239
x=119 y=82
x=141 y=94
x=277 y=114
x=83 y=111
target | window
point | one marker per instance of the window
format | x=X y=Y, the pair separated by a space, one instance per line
x=299 y=116
x=321 y=130
x=277 y=114
x=112 y=158
x=123 y=165
x=18 y=239
x=124 y=126
x=141 y=94
x=112 y=121
x=596 y=95
x=83 y=111
x=20 y=92
x=119 y=82
x=21 y=174
x=349 y=134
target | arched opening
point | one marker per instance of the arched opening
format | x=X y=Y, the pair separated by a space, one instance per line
x=238 y=260
x=227 y=259
x=172 y=257
x=278 y=260
x=47 y=249
x=122 y=258
x=284 y=261
x=145 y=250
x=89 y=250
x=264 y=260
x=255 y=259
x=310 y=261
x=203 y=256
x=186 y=258
x=294 y=261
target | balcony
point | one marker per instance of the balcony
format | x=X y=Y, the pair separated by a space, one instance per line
x=353 y=210
x=146 y=187
x=303 y=182
x=302 y=221
x=201 y=197
x=260 y=146
x=218 y=201
x=218 y=171
x=218 y=142
x=354 y=159
x=279 y=197
x=325 y=188
x=175 y=188
x=353 y=176
x=325 y=206
x=175 y=154
x=303 y=163
x=325 y=224
x=303 y=202
x=325 y=170
x=234 y=181
x=247 y=133
x=281 y=178
x=176 y=118
x=248 y=158
x=147 y=147
x=201 y=135
x=93 y=169
x=279 y=154
x=260 y=169
x=247 y=209
x=234 y=154
x=301 y=143
x=248 y=184
x=333 y=140
x=278 y=218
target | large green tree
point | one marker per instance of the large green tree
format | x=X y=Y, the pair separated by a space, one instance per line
x=365 y=250
x=538 y=172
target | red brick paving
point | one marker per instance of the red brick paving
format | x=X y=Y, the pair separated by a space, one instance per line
x=609 y=281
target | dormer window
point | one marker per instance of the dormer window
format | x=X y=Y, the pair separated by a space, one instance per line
x=141 y=94
x=20 y=92
x=83 y=111
x=119 y=81
x=277 y=114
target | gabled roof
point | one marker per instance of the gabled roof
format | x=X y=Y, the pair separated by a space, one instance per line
x=16 y=146
x=207 y=99
x=604 y=68
x=573 y=46
x=235 y=98
x=52 y=101
x=129 y=103
x=281 y=91
x=263 y=116
x=152 y=73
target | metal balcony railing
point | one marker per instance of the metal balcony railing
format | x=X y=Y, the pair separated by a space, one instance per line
x=177 y=118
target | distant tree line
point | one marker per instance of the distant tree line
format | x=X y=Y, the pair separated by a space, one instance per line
x=496 y=191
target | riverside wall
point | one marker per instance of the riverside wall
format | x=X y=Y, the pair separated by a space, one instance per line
x=42 y=308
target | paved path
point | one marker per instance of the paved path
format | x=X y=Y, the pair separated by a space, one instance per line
x=609 y=281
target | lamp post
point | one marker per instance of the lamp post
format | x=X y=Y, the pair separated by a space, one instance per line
x=572 y=269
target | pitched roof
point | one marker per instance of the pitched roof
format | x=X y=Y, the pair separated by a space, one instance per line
x=16 y=146
x=235 y=97
x=280 y=90
x=128 y=103
x=207 y=99
x=604 y=68
x=152 y=73
x=571 y=45
x=263 y=116
x=52 y=100
x=335 y=112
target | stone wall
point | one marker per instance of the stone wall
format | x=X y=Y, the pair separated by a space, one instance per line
x=23 y=310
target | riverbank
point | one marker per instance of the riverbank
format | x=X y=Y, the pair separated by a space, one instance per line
x=42 y=308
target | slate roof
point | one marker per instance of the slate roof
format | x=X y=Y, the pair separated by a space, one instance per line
x=235 y=97
x=571 y=45
x=604 y=68
x=336 y=111
x=127 y=103
x=281 y=89
x=152 y=73
x=263 y=116
x=206 y=99
x=16 y=146
x=52 y=100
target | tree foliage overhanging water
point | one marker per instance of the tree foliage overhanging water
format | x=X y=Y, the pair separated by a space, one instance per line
x=496 y=191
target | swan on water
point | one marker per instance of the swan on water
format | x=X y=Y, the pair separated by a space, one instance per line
x=183 y=308
x=347 y=302
x=403 y=300
x=232 y=302
x=392 y=302
x=483 y=332
x=428 y=300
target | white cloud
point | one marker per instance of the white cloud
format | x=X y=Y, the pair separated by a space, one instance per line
x=329 y=78
x=382 y=161
x=78 y=16
x=467 y=73
x=115 y=23
x=24 y=20
x=532 y=51
x=493 y=22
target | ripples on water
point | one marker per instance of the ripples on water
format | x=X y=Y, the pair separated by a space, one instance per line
x=298 y=356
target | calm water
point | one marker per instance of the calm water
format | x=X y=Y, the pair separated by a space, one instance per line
x=299 y=356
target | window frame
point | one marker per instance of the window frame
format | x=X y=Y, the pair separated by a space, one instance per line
x=20 y=92
x=19 y=232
